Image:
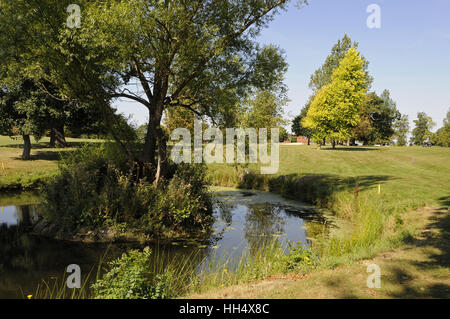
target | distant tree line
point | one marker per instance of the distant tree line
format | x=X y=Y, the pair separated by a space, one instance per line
x=343 y=110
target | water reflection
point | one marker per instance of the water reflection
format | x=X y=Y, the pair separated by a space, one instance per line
x=251 y=219
x=15 y=215
x=243 y=220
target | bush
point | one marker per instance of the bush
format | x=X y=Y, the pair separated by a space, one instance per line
x=96 y=188
x=299 y=257
x=130 y=277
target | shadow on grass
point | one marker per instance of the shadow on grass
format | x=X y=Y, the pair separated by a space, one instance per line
x=45 y=145
x=341 y=287
x=312 y=188
x=34 y=146
x=445 y=201
x=413 y=277
x=43 y=156
x=408 y=290
x=350 y=149
x=435 y=239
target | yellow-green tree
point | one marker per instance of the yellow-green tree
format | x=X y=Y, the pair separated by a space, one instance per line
x=334 y=111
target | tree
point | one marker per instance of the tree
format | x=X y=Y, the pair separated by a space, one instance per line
x=334 y=111
x=385 y=117
x=179 y=118
x=377 y=115
x=297 y=127
x=401 y=129
x=24 y=111
x=265 y=110
x=443 y=134
x=176 y=53
x=422 y=130
x=322 y=76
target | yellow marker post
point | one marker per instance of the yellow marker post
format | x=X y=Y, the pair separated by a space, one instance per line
x=3 y=166
x=379 y=189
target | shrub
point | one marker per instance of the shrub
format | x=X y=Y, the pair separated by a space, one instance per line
x=183 y=204
x=299 y=257
x=130 y=277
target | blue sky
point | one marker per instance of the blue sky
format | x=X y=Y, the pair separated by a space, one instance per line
x=409 y=54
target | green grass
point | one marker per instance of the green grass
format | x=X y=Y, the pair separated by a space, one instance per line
x=17 y=174
x=372 y=188
x=409 y=177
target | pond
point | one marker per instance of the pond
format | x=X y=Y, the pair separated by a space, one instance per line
x=243 y=219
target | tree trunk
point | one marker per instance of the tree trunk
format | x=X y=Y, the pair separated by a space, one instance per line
x=60 y=137
x=155 y=133
x=309 y=141
x=334 y=144
x=26 y=147
x=148 y=154
x=52 y=138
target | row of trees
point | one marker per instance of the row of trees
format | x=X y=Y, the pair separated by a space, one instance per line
x=341 y=108
x=30 y=108
x=422 y=131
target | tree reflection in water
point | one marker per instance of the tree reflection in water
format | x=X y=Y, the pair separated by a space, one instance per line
x=263 y=223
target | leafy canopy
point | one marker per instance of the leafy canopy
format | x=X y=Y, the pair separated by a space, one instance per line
x=335 y=109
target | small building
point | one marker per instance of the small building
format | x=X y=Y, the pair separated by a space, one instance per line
x=302 y=139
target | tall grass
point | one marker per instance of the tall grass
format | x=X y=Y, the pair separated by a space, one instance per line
x=182 y=275
x=56 y=288
x=252 y=265
x=375 y=220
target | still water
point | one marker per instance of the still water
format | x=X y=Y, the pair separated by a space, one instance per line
x=243 y=219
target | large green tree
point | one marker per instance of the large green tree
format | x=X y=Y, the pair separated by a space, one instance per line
x=322 y=76
x=422 y=130
x=401 y=129
x=26 y=110
x=264 y=110
x=334 y=111
x=377 y=116
x=158 y=53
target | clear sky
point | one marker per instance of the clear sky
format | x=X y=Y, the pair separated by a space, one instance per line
x=409 y=54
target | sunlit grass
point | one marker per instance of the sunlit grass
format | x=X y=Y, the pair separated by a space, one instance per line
x=17 y=174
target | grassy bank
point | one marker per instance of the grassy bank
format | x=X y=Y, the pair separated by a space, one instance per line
x=409 y=177
x=17 y=174
x=420 y=268
x=375 y=189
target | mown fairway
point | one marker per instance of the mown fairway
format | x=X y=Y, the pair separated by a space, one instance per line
x=408 y=176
